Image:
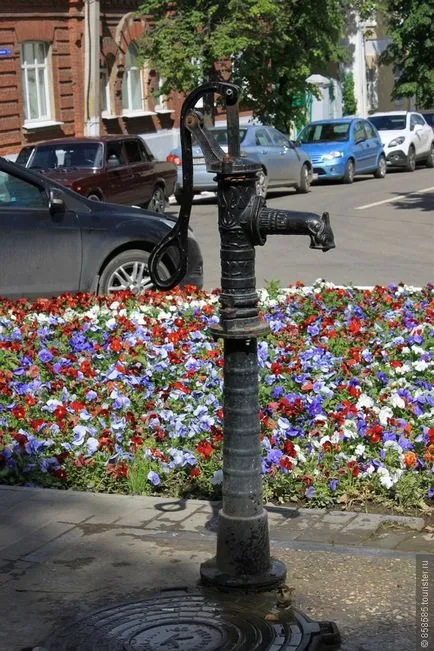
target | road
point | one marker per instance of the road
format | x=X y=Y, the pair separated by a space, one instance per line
x=383 y=231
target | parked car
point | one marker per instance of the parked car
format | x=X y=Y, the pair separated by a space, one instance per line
x=343 y=147
x=53 y=240
x=120 y=169
x=282 y=163
x=428 y=117
x=406 y=137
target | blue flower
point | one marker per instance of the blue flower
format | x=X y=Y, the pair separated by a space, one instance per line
x=45 y=356
x=154 y=478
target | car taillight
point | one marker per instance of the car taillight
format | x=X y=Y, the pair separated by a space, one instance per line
x=172 y=158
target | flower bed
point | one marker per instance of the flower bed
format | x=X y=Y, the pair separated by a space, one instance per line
x=124 y=394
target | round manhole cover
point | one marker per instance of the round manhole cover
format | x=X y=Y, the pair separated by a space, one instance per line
x=185 y=620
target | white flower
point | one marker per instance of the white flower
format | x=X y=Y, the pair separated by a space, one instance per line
x=420 y=365
x=400 y=370
x=360 y=450
x=394 y=445
x=114 y=305
x=364 y=401
x=217 y=478
x=384 y=414
x=397 y=401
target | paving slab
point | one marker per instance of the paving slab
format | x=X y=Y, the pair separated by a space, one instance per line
x=126 y=548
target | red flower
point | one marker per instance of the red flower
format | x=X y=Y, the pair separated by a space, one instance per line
x=285 y=462
x=289 y=449
x=195 y=473
x=118 y=470
x=19 y=412
x=204 y=448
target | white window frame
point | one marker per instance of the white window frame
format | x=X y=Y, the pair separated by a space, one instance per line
x=105 y=94
x=43 y=118
x=161 y=100
x=128 y=111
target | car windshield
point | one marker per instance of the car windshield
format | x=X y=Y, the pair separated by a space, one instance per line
x=388 y=122
x=429 y=117
x=63 y=156
x=324 y=132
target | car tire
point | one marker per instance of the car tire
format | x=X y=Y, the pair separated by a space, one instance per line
x=348 y=176
x=305 y=180
x=178 y=197
x=381 y=170
x=94 y=197
x=157 y=203
x=430 y=158
x=261 y=183
x=128 y=271
x=411 y=160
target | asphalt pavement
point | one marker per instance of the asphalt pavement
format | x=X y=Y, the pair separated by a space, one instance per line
x=383 y=231
x=65 y=554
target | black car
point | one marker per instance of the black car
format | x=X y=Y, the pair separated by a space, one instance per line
x=53 y=240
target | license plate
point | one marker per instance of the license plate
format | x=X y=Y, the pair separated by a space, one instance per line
x=199 y=161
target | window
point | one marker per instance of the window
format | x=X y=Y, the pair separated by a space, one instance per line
x=133 y=151
x=16 y=193
x=160 y=100
x=105 y=93
x=359 y=132
x=132 y=96
x=279 y=138
x=146 y=153
x=115 y=154
x=369 y=130
x=263 y=139
x=35 y=81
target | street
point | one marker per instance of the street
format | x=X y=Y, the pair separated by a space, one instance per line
x=383 y=231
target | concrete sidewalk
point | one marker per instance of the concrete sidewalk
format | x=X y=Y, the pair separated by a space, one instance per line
x=63 y=554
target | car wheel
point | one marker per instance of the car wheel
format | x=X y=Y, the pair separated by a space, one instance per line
x=305 y=180
x=94 y=197
x=411 y=160
x=380 y=172
x=129 y=271
x=430 y=158
x=349 y=172
x=158 y=200
x=261 y=184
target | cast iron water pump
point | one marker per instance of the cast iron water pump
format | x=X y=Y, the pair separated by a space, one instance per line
x=243 y=548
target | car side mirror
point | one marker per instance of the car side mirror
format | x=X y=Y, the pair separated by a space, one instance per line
x=56 y=202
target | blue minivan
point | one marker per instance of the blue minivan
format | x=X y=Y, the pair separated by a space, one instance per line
x=343 y=147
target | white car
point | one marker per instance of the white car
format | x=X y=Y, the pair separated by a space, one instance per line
x=407 y=138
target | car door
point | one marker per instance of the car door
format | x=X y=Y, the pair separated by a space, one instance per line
x=286 y=155
x=359 y=148
x=118 y=173
x=40 y=251
x=425 y=132
x=141 y=183
x=265 y=151
x=373 y=145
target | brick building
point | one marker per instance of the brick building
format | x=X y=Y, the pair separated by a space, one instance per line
x=43 y=76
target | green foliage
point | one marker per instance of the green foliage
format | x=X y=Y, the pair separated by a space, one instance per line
x=348 y=97
x=270 y=48
x=411 y=51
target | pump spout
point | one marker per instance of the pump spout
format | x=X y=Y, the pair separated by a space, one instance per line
x=291 y=222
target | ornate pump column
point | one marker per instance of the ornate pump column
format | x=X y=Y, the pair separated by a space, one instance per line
x=243 y=549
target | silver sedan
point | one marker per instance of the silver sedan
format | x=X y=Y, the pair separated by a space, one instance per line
x=282 y=163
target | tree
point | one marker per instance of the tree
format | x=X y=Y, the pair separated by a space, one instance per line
x=348 y=97
x=411 y=51
x=268 y=47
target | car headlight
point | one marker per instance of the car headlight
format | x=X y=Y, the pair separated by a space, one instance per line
x=396 y=141
x=333 y=154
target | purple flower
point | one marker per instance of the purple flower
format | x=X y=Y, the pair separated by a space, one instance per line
x=309 y=492
x=45 y=356
x=154 y=478
x=333 y=484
